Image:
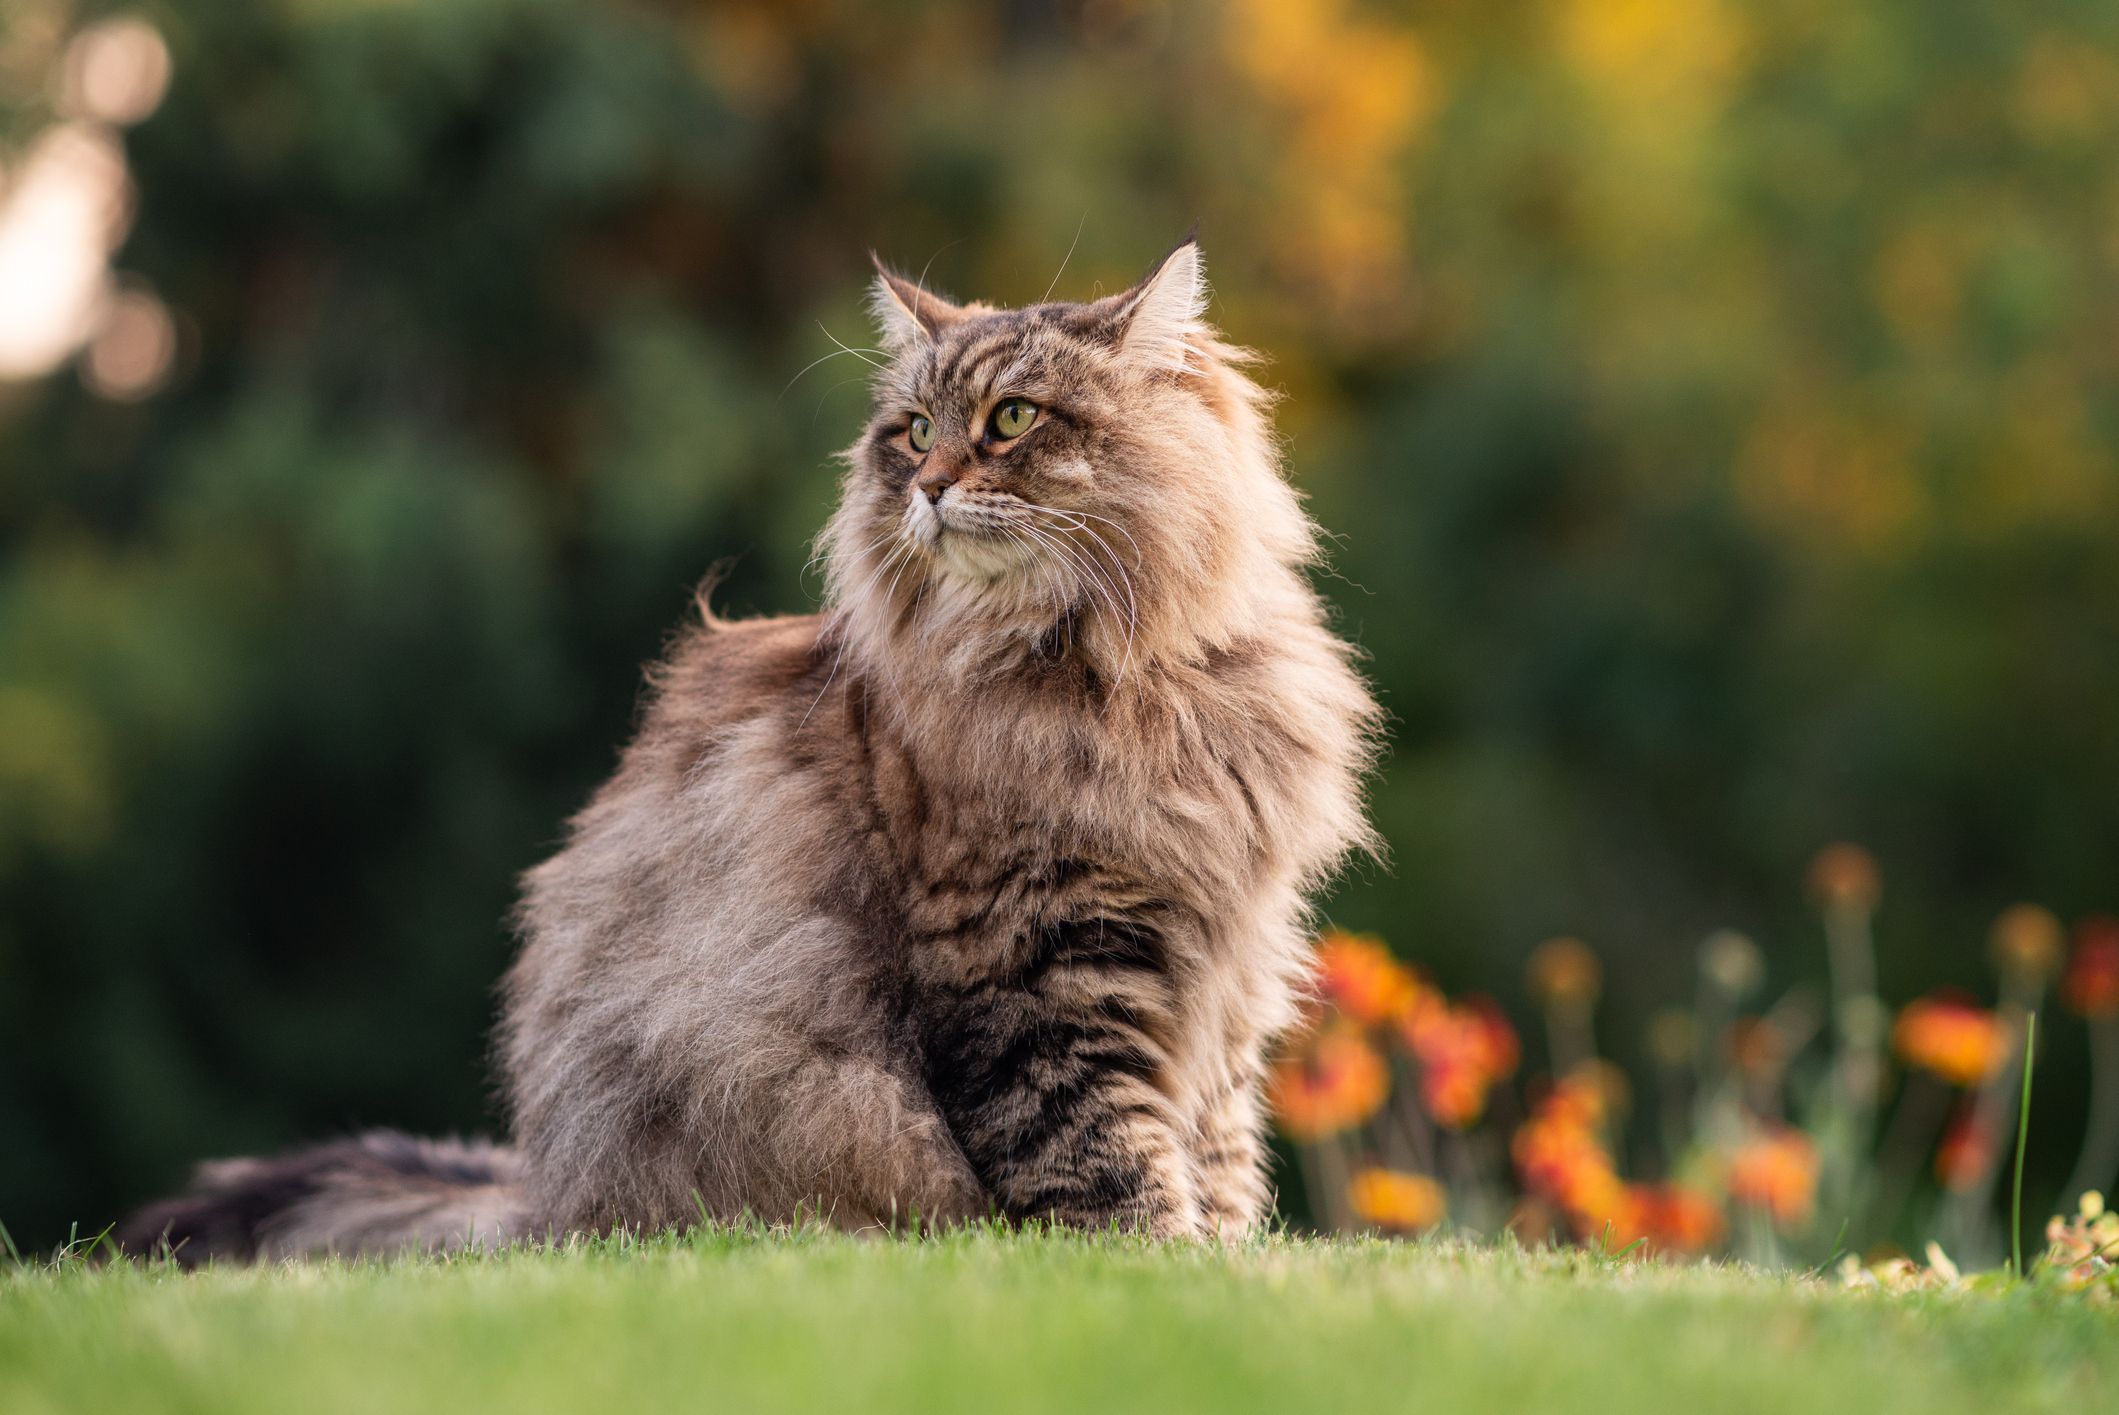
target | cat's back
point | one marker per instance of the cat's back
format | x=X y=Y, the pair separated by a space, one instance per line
x=722 y=673
x=707 y=752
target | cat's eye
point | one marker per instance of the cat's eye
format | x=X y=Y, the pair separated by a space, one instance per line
x=1013 y=417
x=921 y=434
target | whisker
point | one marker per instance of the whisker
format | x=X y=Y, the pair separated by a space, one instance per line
x=1067 y=257
x=1132 y=616
x=1132 y=603
x=1096 y=583
x=821 y=358
x=1044 y=581
x=1117 y=568
x=919 y=288
x=1078 y=526
x=892 y=587
x=904 y=547
x=861 y=353
x=1090 y=516
x=818 y=411
x=823 y=550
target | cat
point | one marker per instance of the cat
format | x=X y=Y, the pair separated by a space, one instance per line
x=982 y=892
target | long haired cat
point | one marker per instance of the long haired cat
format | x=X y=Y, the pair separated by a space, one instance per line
x=983 y=891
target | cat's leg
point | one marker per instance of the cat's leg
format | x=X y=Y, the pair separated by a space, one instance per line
x=889 y=1157
x=798 y=1128
x=1055 y=1078
x=1229 y=1157
x=790 y=1091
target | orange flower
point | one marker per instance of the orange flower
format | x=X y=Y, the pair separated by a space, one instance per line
x=1463 y=1050
x=1501 y=1052
x=1569 y=1167
x=1966 y=1152
x=2091 y=988
x=1337 y=1084
x=1683 y=1220
x=1955 y=1039
x=1775 y=1170
x=2026 y=943
x=1395 y=1201
x=1359 y=976
x=1667 y=1218
x=1560 y=1158
x=1564 y=970
x=1594 y=1091
x=1845 y=876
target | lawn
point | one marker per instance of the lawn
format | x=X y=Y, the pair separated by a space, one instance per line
x=1023 y=1323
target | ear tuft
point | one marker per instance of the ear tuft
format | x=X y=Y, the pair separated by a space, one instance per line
x=906 y=314
x=897 y=327
x=1168 y=307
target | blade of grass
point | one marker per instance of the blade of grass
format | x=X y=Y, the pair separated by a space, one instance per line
x=1839 y=1246
x=2023 y=1135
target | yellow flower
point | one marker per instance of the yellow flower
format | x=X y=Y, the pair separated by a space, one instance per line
x=2027 y=943
x=1564 y=970
x=1395 y=1201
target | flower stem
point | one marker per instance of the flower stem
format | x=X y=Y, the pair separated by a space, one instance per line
x=2023 y=1135
x=2095 y=1166
x=1857 y=1015
x=1923 y=1104
x=1570 y=1035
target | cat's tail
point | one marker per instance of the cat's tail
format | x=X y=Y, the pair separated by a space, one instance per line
x=377 y=1193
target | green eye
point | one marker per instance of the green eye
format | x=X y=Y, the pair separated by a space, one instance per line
x=922 y=434
x=1013 y=417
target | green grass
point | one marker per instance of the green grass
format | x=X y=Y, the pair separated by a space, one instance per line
x=988 y=1321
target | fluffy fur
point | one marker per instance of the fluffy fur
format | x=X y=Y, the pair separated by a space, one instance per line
x=983 y=890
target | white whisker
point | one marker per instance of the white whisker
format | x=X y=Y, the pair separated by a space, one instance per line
x=1067 y=257
x=845 y=348
x=1101 y=588
x=818 y=411
x=919 y=288
x=1090 y=516
x=904 y=547
x=821 y=358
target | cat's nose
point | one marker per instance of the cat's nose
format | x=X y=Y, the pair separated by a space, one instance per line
x=936 y=480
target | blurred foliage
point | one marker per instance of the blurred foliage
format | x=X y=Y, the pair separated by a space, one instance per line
x=1716 y=406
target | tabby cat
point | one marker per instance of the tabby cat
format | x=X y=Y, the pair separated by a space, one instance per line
x=981 y=892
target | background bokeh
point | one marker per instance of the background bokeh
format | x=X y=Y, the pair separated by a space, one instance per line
x=1715 y=405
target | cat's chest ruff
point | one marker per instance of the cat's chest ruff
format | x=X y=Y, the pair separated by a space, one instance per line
x=1008 y=792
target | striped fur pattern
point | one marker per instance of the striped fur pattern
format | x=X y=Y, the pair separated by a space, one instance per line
x=985 y=889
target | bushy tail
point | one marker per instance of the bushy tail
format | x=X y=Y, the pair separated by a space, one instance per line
x=381 y=1192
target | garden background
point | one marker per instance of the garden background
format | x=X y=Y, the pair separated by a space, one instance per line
x=1715 y=406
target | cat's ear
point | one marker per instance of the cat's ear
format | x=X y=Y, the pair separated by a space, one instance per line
x=1155 y=318
x=906 y=312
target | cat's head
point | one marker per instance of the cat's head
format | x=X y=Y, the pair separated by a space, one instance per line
x=1092 y=478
